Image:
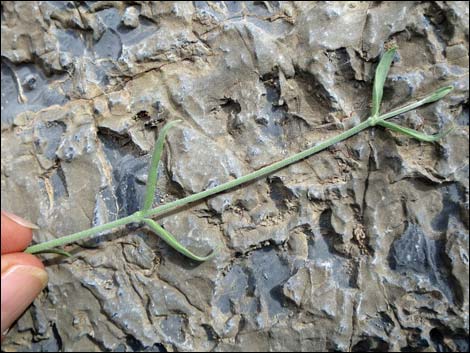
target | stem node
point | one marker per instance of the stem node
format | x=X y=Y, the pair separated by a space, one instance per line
x=146 y=212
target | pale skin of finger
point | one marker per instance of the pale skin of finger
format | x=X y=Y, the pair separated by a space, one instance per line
x=20 y=258
x=15 y=237
x=22 y=275
x=21 y=283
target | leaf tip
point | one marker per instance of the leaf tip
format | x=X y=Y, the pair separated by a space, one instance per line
x=439 y=93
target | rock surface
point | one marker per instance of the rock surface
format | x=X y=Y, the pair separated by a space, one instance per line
x=363 y=246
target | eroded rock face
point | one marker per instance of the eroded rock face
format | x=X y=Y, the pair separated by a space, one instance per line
x=363 y=246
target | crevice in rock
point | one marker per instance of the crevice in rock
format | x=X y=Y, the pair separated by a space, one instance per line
x=57 y=337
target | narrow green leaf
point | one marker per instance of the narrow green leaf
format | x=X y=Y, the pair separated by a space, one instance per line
x=437 y=94
x=380 y=75
x=153 y=168
x=170 y=240
x=55 y=251
x=430 y=98
x=413 y=133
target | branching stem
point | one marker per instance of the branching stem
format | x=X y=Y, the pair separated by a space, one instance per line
x=147 y=212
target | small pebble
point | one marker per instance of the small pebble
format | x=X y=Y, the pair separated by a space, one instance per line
x=131 y=17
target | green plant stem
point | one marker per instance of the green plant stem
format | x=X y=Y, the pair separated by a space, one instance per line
x=430 y=98
x=260 y=172
x=140 y=215
x=81 y=235
x=146 y=213
x=169 y=239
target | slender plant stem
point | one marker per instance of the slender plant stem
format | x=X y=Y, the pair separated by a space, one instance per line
x=140 y=215
x=145 y=213
x=167 y=237
x=81 y=235
x=260 y=172
x=436 y=95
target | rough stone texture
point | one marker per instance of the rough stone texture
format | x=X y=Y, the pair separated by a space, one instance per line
x=363 y=246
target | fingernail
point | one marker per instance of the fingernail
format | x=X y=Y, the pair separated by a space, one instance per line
x=20 y=220
x=20 y=286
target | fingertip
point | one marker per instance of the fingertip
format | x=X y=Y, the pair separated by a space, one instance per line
x=23 y=278
x=16 y=234
x=20 y=258
x=21 y=221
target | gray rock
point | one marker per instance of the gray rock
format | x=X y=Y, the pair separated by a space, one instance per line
x=361 y=247
x=131 y=17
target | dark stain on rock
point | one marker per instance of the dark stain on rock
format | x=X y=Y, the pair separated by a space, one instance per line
x=371 y=344
x=414 y=253
x=279 y=193
x=451 y=206
x=269 y=273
